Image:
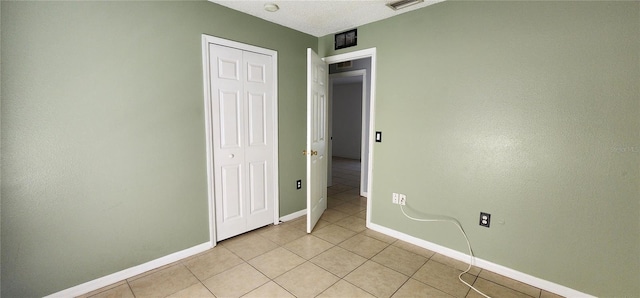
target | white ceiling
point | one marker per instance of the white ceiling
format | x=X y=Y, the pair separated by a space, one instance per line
x=320 y=18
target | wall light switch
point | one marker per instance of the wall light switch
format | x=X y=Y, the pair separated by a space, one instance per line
x=378 y=137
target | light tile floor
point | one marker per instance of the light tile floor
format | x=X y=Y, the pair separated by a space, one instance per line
x=340 y=258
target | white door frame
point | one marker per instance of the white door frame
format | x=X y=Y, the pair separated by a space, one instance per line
x=206 y=40
x=367 y=53
x=363 y=144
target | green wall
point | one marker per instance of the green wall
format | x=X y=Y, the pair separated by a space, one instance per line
x=103 y=152
x=527 y=110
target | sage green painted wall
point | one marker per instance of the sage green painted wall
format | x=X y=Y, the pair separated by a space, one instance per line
x=527 y=110
x=103 y=152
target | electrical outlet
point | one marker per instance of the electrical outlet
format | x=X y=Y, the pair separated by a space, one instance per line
x=402 y=200
x=485 y=219
x=395 y=198
x=299 y=184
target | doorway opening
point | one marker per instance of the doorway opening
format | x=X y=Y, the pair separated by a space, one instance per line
x=318 y=141
x=349 y=177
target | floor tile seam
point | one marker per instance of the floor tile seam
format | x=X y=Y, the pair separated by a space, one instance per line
x=358 y=286
x=413 y=253
x=198 y=282
x=428 y=285
x=441 y=263
x=383 y=265
x=103 y=289
x=294 y=267
x=428 y=258
x=495 y=283
x=400 y=287
x=332 y=245
x=130 y=288
x=539 y=289
x=283 y=287
x=152 y=271
x=354 y=269
x=266 y=282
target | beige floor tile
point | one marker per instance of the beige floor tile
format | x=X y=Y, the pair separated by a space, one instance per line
x=379 y=236
x=363 y=245
x=319 y=225
x=308 y=246
x=299 y=223
x=117 y=290
x=510 y=283
x=353 y=223
x=349 y=208
x=249 y=246
x=494 y=290
x=236 y=281
x=376 y=279
x=271 y=290
x=414 y=288
x=444 y=278
x=545 y=294
x=337 y=188
x=281 y=234
x=164 y=282
x=333 y=202
x=276 y=262
x=400 y=260
x=455 y=263
x=343 y=289
x=153 y=271
x=333 y=233
x=338 y=261
x=212 y=262
x=197 y=290
x=347 y=196
x=414 y=249
x=332 y=215
x=306 y=280
x=362 y=214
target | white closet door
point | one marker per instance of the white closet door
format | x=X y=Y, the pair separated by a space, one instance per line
x=242 y=105
x=259 y=149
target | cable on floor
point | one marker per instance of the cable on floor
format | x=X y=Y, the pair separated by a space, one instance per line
x=457 y=224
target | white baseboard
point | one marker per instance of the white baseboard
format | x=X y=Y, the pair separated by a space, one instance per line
x=499 y=269
x=130 y=272
x=294 y=215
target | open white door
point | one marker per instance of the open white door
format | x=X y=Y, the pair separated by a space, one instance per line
x=317 y=78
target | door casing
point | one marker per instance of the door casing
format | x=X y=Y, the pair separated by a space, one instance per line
x=206 y=40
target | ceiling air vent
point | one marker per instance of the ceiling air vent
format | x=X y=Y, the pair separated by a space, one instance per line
x=397 y=5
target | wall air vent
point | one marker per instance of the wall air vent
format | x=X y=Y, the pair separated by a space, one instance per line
x=397 y=5
x=344 y=65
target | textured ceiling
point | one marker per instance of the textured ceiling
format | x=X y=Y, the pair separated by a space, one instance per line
x=320 y=18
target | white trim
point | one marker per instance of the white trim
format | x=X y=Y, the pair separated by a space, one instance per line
x=130 y=272
x=294 y=215
x=206 y=41
x=366 y=53
x=484 y=264
x=208 y=140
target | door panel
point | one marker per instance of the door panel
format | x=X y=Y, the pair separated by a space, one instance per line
x=230 y=119
x=231 y=193
x=316 y=138
x=257 y=119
